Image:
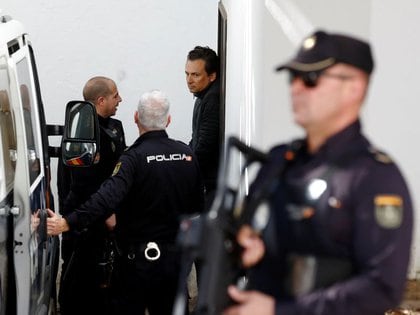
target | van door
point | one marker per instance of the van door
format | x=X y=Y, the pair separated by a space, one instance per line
x=34 y=252
x=7 y=175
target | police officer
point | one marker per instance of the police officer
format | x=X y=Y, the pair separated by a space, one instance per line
x=85 y=273
x=155 y=181
x=338 y=241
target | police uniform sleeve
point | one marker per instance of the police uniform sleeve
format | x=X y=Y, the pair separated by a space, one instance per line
x=381 y=240
x=107 y=199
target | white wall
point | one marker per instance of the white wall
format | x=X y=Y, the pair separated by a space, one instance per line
x=141 y=44
x=258 y=104
x=393 y=110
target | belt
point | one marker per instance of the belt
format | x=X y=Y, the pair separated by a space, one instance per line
x=307 y=273
x=150 y=250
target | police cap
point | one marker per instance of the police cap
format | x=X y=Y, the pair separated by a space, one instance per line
x=322 y=50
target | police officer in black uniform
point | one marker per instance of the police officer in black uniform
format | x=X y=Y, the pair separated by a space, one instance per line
x=338 y=241
x=85 y=274
x=155 y=181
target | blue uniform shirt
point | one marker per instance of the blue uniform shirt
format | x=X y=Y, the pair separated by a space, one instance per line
x=341 y=228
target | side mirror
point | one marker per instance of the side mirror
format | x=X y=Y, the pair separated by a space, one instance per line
x=80 y=142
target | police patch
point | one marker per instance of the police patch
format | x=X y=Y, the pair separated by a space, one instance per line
x=388 y=211
x=116 y=168
x=380 y=156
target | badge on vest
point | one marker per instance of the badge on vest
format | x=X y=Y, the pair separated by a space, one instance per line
x=388 y=211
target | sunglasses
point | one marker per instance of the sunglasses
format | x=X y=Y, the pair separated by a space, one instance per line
x=310 y=79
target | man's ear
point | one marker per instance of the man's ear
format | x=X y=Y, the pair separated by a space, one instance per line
x=356 y=90
x=136 y=117
x=100 y=100
x=212 y=76
x=99 y=104
x=169 y=120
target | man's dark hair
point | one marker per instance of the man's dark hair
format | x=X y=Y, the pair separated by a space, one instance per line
x=208 y=55
x=96 y=87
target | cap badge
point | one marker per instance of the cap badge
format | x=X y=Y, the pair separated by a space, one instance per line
x=309 y=42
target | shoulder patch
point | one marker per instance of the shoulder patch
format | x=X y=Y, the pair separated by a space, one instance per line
x=116 y=168
x=388 y=211
x=380 y=156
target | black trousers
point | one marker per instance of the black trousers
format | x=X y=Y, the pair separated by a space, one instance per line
x=146 y=284
x=208 y=202
x=80 y=289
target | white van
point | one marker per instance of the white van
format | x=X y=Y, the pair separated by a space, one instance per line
x=28 y=257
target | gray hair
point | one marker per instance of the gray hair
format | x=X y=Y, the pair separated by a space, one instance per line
x=153 y=110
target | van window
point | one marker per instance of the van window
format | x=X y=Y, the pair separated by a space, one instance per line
x=30 y=115
x=7 y=136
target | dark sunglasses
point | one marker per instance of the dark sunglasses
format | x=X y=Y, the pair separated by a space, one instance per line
x=310 y=79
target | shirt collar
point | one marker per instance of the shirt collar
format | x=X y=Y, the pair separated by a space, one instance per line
x=153 y=134
x=103 y=121
x=203 y=92
x=343 y=141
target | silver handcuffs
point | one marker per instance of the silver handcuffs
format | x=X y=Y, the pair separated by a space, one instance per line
x=154 y=250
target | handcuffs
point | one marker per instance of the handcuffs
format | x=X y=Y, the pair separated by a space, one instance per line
x=152 y=252
x=153 y=248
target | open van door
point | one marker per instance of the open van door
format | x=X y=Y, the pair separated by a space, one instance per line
x=30 y=257
x=7 y=174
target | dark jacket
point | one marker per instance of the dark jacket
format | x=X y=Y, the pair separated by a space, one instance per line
x=84 y=181
x=206 y=138
x=155 y=181
x=81 y=252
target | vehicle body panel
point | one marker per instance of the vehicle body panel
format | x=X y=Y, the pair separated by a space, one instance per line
x=27 y=276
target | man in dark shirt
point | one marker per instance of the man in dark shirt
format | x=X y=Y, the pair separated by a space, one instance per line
x=201 y=71
x=82 y=277
x=338 y=241
x=156 y=180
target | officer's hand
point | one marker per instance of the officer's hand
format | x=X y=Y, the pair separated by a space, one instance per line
x=250 y=303
x=253 y=246
x=56 y=224
x=111 y=222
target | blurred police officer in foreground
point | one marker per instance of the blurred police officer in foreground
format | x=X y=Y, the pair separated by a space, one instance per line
x=341 y=210
x=155 y=181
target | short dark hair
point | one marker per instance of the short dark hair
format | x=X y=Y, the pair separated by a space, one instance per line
x=96 y=87
x=208 y=55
